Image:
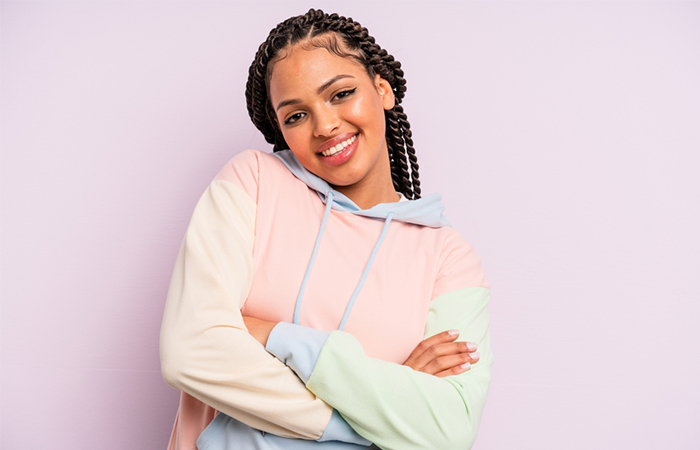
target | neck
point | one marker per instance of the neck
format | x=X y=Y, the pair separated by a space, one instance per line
x=366 y=199
x=377 y=187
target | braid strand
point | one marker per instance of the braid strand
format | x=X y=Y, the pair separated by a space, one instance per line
x=347 y=38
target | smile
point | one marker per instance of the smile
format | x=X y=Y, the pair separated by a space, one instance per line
x=339 y=147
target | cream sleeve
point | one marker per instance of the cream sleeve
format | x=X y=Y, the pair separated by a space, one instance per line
x=206 y=350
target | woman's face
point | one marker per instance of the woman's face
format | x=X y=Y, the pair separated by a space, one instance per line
x=331 y=114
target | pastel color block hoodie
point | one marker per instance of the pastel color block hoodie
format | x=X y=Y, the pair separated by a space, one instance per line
x=354 y=290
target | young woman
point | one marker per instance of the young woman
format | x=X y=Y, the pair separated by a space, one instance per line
x=318 y=300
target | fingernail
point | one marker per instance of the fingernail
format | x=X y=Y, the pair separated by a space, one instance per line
x=475 y=355
x=471 y=346
x=453 y=332
x=466 y=366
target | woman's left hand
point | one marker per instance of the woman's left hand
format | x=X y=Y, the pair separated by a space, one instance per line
x=439 y=355
x=259 y=329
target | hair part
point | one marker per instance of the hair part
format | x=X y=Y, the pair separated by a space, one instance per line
x=346 y=38
x=328 y=41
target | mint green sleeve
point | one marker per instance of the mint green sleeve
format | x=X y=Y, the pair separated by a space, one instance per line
x=392 y=405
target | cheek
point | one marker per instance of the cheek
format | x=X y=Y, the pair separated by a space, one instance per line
x=298 y=143
x=368 y=112
x=295 y=137
x=356 y=110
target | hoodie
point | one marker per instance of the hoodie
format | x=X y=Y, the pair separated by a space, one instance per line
x=354 y=291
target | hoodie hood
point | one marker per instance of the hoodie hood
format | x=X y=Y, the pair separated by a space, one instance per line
x=426 y=211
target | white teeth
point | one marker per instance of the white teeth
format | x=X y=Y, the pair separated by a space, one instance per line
x=339 y=147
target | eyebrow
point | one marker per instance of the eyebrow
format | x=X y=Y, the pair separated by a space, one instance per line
x=320 y=90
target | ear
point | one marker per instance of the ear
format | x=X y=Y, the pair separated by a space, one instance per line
x=385 y=92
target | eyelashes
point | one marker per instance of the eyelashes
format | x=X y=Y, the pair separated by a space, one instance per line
x=342 y=95
x=346 y=93
x=293 y=118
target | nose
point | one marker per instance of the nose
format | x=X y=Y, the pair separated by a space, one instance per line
x=326 y=121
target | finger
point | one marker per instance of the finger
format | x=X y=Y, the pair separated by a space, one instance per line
x=445 y=336
x=442 y=350
x=456 y=370
x=438 y=350
x=438 y=365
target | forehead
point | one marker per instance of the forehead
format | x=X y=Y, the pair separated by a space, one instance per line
x=302 y=71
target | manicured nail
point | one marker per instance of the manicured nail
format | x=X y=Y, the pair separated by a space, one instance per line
x=471 y=346
x=453 y=332
x=475 y=355
x=466 y=366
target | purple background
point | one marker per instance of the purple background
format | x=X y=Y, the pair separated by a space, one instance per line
x=565 y=138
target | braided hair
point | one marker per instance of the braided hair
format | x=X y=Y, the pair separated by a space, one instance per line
x=318 y=29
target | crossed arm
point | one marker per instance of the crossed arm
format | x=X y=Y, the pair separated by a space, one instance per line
x=206 y=351
x=440 y=355
x=389 y=404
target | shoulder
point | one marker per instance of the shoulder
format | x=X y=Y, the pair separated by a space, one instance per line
x=249 y=162
x=460 y=265
x=249 y=167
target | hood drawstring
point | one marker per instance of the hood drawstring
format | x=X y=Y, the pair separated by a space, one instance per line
x=326 y=213
x=366 y=271
x=297 y=307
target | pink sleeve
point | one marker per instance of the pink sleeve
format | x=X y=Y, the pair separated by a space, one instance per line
x=243 y=170
x=460 y=267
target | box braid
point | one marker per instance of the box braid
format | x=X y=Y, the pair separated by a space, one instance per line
x=362 y=47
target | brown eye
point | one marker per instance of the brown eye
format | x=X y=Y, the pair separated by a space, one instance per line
x=343 y=94
x=293 y=118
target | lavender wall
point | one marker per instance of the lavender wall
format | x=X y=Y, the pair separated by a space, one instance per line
x=564 y=137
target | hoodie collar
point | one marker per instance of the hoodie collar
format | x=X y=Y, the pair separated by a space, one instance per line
x=426 y=211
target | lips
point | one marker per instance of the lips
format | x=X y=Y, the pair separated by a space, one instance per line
x=339 y=147
x=338 y=150
x=341 y=140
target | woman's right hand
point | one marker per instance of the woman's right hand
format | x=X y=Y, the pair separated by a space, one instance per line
x=439 y=355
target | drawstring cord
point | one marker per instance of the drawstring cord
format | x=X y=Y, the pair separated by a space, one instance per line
x=297 y=307
x=326 y=213
x=365 y=272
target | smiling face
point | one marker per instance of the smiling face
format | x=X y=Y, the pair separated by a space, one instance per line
x=331 y=114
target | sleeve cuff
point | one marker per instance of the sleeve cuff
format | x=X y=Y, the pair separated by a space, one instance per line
x=297 y=346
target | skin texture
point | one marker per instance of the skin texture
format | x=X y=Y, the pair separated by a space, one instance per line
x=351 y=105
x=318 y=98
x=441 y=356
